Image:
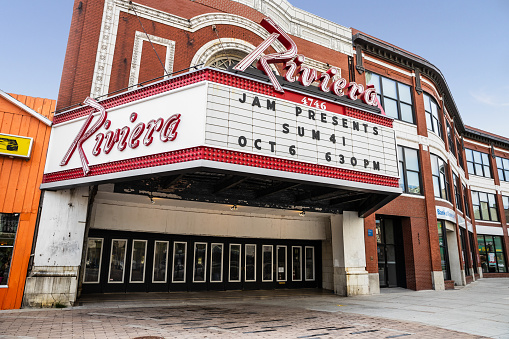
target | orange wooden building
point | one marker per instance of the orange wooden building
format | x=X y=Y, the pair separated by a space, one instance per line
x=25 y=125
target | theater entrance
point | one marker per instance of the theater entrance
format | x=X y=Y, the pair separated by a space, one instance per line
x=391 y=256
x=144 y=262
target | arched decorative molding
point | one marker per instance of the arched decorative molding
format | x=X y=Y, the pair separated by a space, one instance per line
x=297 y=22
x=212 y=47
x=139 y=38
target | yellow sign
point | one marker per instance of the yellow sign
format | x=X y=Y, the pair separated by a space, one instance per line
x=15 y=146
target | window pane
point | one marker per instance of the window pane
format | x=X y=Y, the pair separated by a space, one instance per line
x=477 y=157
x=160 y=261
x=406 y=113
x=484 y=211
x=234 y=262
x=505 y=163
x=402 y=178
x=427 y=103
x=477 y=212
x=487 y=172
x=281 y=263
x=138 y=261
x=499 y=249
x=434 y=165
x=296 y=263
x=117 y=261
x=250 y=263
x=469 y=154
x=499 y=162
x=429 y=124
x=8 y=228
x=506 y=175
x=267 y=263
x=373 y=79
x=310 y=263
x=404 y=93
x=413 y=182
x=412 y=161
x=179 y=261
x=478 y=170
x=434 y=109
x=436 y=187
x=391 y=108
x=493 y=213
x=93 y=261
x=389 y=87
x=485 y=159
x=200 y=262
x=216 y=266
x=475 y=198
x=470 y=168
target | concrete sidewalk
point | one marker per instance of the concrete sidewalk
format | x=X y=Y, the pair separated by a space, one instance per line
x=480 y=309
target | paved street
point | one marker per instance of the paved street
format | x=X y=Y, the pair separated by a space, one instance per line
x=481 y=308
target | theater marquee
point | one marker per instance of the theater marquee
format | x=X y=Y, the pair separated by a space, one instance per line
x=218 y=120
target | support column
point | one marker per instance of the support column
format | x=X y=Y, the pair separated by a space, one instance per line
x=53 y=278
x=349 y=255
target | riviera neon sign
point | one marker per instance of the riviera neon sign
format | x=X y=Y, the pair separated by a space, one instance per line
x=306 y=76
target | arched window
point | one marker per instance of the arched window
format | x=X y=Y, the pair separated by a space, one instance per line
x=225 y=59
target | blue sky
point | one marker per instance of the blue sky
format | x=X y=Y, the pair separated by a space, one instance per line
x=467 y=40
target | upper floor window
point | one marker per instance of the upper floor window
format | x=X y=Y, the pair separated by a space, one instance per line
x=505 y=201
x=478 y=163
x=503 y=168
x=432 y=115
x=467 y=205
x=456 y=183
x=485 y=206
x=409 y=170
x=440 y=182
x=395 y=97
x=449 y=137
x=459 y=150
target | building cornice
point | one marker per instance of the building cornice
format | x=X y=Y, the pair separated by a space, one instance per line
x=412 y=62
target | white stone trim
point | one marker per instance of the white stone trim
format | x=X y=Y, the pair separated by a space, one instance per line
x=297 y=22
x=489 y=230
x=208 y=50
x=139 y=38
x=432 y=86
x=381 y=63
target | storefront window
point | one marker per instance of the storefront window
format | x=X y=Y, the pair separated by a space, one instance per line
x=442 y=242
x=395 y=97
x=432 y=115
x=485 y=206
x=409 y=170
x=478 y=163
x=267 y=263
x=8 y=228
x=491 y=251
x=503 y=169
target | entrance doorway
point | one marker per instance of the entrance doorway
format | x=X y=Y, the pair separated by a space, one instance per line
x=391 y=255
x=144 y=262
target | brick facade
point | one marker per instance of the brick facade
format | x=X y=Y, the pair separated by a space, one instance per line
x=416 y=214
